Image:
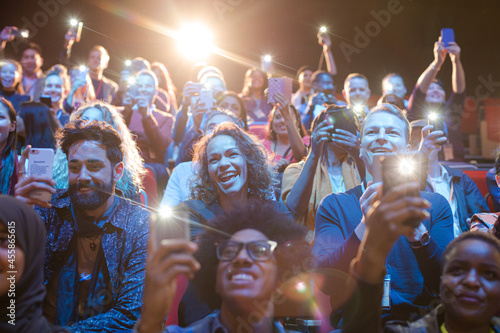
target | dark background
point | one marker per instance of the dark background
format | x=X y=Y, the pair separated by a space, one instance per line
x=284 y=28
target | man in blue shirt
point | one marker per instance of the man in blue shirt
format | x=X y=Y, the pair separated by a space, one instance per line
x=413 y=264
x=96 y=241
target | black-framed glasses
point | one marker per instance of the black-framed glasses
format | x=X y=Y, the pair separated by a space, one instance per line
x=262 y=250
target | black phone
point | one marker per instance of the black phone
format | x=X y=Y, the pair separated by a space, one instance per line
x=342 y=118
x=46 y=100
x=171 y=223
x=24 y=33
x=398 y=169
x=437 y=121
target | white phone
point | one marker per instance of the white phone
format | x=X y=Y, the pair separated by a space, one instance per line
x=206 y=96
x=40 y=163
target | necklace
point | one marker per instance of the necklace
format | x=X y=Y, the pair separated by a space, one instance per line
x=92 y=242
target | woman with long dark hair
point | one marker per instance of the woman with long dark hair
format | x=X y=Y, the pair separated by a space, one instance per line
x=40 y=125
x=256 y=104
x=8 y=140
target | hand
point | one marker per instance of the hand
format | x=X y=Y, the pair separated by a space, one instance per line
x=372 y=193
x=69 y=39
x=6 y=34
x=199 y=110
x=191 y=89
x=439 y=53
x=320 y=135
x=454 y=51
x=387 y=218
x=325 y=41
x=165 y=262
x=346 y=140
x=281 y=102
x=431 y=140
x=281 y=165
x=27 y=184
x=318 y=98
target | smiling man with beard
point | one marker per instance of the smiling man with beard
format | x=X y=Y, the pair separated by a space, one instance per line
x=96 y=241
x=413 y=263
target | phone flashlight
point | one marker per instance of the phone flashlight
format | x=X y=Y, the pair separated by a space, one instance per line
x=267 y=58
x=73 y=22
x=131 y=81
x=165 y=211
x=82 y=68
x=128 y=63
x=25 y=33
x=433 y=116
x=406 y=167
x=359 y=109
x=323 y=29
x=390 y=89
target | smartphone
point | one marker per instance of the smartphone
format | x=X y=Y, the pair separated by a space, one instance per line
x=46 y=100
x=77 y=31
x=173 y=225
x=281 y=85
x=84 y=71
x=40 y=162
x=437 y=121
x=342 y=118
x=407 y=168
x=206 y=97
x=24 y=33
x=266 y=63
x=447 y=36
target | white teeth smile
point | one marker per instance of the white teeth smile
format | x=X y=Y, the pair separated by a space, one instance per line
x=242 y=277
x=227 y=176
x=381 y=150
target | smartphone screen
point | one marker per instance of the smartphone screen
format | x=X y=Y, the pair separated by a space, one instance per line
x=40 y=163
x=447 y=36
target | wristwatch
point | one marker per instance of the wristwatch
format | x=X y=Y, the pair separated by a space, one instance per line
x=423 y=241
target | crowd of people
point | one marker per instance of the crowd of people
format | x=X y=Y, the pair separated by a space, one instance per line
x=274 y=197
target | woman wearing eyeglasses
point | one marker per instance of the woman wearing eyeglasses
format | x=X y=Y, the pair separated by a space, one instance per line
x=245 y=256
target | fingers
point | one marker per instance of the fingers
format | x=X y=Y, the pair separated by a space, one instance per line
x=170 y=246
x=21 y=165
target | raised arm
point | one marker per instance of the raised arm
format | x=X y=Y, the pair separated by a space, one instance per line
x=426 y=78
x=458 y=74
x=326 y=42
x=298 y=147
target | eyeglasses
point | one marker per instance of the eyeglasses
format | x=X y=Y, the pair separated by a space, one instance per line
x=257 y=250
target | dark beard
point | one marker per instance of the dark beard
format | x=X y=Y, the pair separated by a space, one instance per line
x=100 y=194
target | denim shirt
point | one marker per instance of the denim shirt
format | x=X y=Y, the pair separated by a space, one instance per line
x=124 y=243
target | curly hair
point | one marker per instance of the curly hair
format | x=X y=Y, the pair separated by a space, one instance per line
x=130 y=184
x=97 y=131
x=293 y=253
x=261 y=178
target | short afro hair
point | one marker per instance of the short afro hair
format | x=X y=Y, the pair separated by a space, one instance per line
x=471 y=235
x=97 y=131
x=293 y=253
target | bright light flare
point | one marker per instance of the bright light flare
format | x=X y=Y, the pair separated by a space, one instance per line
x=25 y=33
x=131 y=81
x=268 y=58
x=406 y=167
x=433 y=116
x=301 y=287
x=323 y=29
x=73 y=22
x=359 y=109
x=82 y=68
x=195 y=41
x=165 y=211
x=128 y=63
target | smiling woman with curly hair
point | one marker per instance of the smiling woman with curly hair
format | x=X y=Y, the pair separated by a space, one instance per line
x=234 y=167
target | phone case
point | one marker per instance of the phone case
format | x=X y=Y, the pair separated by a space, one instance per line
x=280 y=85
x=447 y=36
x=40 y=163
x=207 y=98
